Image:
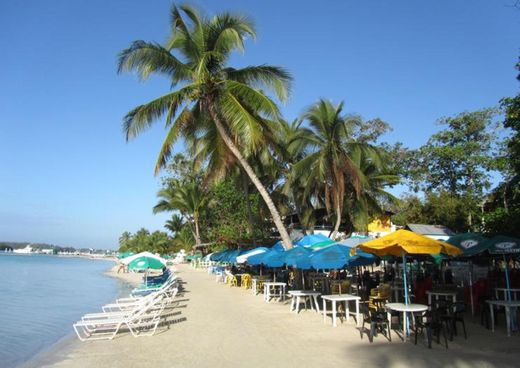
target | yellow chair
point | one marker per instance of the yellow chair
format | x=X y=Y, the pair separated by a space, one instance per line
x=245 y=281
x=379 y=296
x=232 y=280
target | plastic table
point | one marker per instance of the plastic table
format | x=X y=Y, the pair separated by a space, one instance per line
x=310 y=295
x=405 y=308
x=346 y=298
x=274 y=285
x=437 y=294
x=255 y=280
x=498 y=292
x=509 y=306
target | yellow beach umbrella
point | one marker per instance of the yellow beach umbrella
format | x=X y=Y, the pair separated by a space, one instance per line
x=407 y=242
x=403 y=242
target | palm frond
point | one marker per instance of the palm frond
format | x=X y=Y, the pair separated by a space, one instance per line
x=268 y=77
x=147 y=58
x=184 y=118
x=143 y=116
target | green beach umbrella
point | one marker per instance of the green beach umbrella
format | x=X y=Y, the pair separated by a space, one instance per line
x=146 y=263
x=470 y=243
x=321 y=244
x=125 y=254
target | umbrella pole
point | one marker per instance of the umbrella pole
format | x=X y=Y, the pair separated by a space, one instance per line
x=471 y=288
x=508 y=286
x=405 y=294
x=507 y=279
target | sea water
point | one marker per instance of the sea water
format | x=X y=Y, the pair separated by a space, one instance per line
x=41 y=296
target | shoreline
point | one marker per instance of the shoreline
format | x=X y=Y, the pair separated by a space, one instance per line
x=59 y=350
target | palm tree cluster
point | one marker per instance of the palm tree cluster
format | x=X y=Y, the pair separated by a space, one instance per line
x=231 y=127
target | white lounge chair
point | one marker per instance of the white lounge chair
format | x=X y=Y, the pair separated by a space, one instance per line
x=141 y=321
x=169 y=295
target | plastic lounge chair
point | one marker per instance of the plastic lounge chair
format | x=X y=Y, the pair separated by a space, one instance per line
x=140 y=322
x=172 y=281
x=154 y=300
x=169 y=296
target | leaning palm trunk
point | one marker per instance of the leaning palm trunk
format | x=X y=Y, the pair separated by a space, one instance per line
x=245 y=184
x=286 y=240
x=338 y=222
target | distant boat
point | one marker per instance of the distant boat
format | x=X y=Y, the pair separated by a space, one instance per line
x=26 y=250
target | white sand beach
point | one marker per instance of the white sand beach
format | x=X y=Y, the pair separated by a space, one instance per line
x=218 y=326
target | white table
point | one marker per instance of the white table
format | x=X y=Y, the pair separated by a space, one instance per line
x=309 y=295
x=255 y=280
x=504 y=293
x=508 y=305
x=346 y=298
x=405 y=308
x=274 y=285
x=445 y=294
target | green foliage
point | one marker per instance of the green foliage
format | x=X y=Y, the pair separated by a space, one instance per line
x=503 y=221
x=438 y=208
x=409 y=211
x=503 y=205
x=143 y=240
x=225 y=220
x=210 y=100
x=458 y=158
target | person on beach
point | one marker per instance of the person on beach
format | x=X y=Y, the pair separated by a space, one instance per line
x=121 y=267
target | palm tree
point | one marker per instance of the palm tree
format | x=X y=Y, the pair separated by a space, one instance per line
x=188 y=199
x=124 y=241
x=208 y=92
x=328 y=167
x=174 y=224
x=373 y=195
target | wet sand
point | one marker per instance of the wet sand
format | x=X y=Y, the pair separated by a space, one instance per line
x=218 y=326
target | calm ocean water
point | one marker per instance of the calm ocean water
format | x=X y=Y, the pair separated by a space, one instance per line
x=41 y=296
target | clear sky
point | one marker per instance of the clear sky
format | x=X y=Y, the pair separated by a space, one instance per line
x=68 y=177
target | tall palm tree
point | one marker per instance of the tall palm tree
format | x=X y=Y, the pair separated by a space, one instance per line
x=207 y=92
x=328 y=167
x=378 y=175
x=174 y=224
x=188 y=199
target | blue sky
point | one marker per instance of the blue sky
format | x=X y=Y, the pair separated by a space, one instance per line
x=68 y=177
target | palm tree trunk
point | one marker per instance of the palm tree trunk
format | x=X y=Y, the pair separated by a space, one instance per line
x=245 y=185
x=197 y=233
x=338 y=222
x=286 y=240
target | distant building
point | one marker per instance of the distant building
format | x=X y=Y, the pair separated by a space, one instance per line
x=437 y=232
x=26 y=250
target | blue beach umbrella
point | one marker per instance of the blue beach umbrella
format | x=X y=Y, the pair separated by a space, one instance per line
x=298 y=257
x=217 y=256
x=244 y=257
x=311 y=239
x=335 y=256
x=273 y=259
x=278 y=246
x=361 y=258
x=232 y=256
